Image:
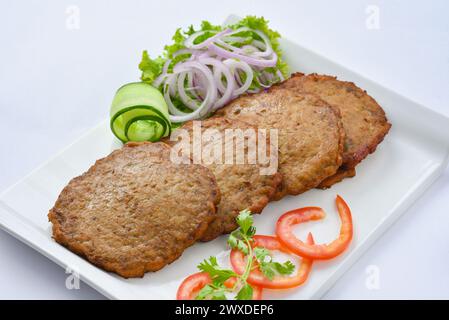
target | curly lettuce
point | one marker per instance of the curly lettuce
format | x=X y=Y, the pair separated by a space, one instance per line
x=151 y=68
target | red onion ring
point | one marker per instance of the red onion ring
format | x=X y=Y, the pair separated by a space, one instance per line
x=211 y=94
x=266 y=63
x=189 y=42
x=233 y=65
x=188 y=101
x=213 y=73
x=221 y=69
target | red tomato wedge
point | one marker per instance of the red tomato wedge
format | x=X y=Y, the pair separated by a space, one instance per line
x=191 y=285
x=256 y=277
x=288 y=220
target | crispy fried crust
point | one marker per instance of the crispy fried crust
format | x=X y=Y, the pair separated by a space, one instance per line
x=364 y=121
x=135 y=211
x=242 y=185
x=339 y=176
x=310 y=134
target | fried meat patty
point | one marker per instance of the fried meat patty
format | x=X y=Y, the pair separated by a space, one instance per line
x=364 y=121
x=310 y=134
x=135 y=211
x=242 y=185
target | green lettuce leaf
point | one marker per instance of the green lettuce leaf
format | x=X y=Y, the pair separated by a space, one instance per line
x=151 y=68
x=178 y=44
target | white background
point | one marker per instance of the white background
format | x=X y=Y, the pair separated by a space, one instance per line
x=55 y=83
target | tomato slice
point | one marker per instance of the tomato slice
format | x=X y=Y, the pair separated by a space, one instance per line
x=191 y=285
x=286 y=222
x=256 y=277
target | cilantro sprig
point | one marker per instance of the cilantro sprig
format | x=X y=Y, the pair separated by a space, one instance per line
x=242 y=240
x=269 y=267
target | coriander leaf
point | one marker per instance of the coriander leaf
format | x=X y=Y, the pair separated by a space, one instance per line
x=245 y=293
x=267 y=270
x=211 y=292
x=217 y=274
x=269 y=267
x=284 y=268
x=245 y=221
x=235 y=242
x=205 y=292
x=211 y=263
x=219 y=295
x=261 y=254
x=239 y=238
x=251 y=232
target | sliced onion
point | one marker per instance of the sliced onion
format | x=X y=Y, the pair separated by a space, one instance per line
x=184 y=51
x=176 y=54
x=200 y=82
x=189 y=42
x=188 y=101
x=280 y=75
x=169 y=83
x=268 y=48
x=259 y=45
x=250 y=49
x=159 y=80
x=265 y=79
x=192 y=88
x=265 y=44
x=232 y=39
x=166 y=65
x=221 y=69
x=266 y=63
x=211 y=95
x=213 y=74
x=233 y=65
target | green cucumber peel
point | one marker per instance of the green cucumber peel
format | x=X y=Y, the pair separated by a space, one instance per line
x=139 y=113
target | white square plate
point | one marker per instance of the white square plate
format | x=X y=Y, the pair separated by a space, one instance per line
x=413 y=155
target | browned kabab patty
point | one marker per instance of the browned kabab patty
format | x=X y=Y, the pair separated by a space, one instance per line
x=135 y=211
x=364 y=121
x=310 y=134
x=243 y=185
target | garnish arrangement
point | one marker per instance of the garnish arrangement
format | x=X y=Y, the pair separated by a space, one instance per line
x=199 y=73
x=252 y=258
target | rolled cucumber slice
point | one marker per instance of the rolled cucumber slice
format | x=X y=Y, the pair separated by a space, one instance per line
x=139 y=113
